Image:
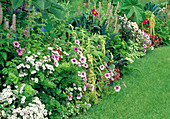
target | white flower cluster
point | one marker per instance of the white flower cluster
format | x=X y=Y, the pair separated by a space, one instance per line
x=35 y=110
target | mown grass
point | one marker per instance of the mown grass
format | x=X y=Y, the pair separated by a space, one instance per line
x=147 y=93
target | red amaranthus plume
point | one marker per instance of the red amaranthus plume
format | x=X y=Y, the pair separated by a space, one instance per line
x=94 y=12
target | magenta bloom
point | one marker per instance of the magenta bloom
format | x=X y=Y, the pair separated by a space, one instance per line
x=75 y=49
x=16 y=44
x=23 y=49
x=144 y=50
x=98 y=46
x=77 y=42
x=25 y=31
x=92 y=87
x=19 y=51
x=117 y=88
x=107 y=75
x=144 y=45
x=70 y=97
x=84 y=88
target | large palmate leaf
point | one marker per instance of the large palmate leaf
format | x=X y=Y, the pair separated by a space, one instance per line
x=16 y=3
x=133 y=7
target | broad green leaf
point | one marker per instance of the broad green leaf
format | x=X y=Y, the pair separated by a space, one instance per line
x=16 y=3
x=4 y=55
x=40 y=4
x=2 y=62
x=56 y=12
x=130 y=12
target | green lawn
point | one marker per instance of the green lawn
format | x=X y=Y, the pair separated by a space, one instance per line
x=147 y=94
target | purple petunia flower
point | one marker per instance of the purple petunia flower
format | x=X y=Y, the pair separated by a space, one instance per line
x=16 y=44
x=117 y=88
x=75 y=49
x=70 y=97
x=19 y=51
x=92 y=87
x=107 y=75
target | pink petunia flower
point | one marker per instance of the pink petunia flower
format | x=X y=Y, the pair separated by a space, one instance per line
x=92 y=87
x=80 y=53
x=77 y=42
x=70 y=97
x=23 y=50
x=144 y=45
x=75 y=49
x=74 y=61
x=84 y=88
x=83 y=60
x=98 y=46
x=117 y=88
x=144 y=50
x=79 y=96
x=107 y=75
x=16 y=44
x=85 y=79
x=83 y=74
x=102 y=67
x=78 y=105
x=85 y=65
x=19 y=51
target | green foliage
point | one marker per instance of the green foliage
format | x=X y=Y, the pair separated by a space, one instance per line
x=153 y=7
x=133 y=7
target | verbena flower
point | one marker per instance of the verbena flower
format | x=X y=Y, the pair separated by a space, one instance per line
x=117 y=88
x=16 y=44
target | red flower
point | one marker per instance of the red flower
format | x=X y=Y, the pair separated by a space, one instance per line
x=148 y=26
x=145 y=21
x=153 y=45
x=161 y=40
x=133 y=14
x=94 y=12
x=154 y=36
x=157 y=41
